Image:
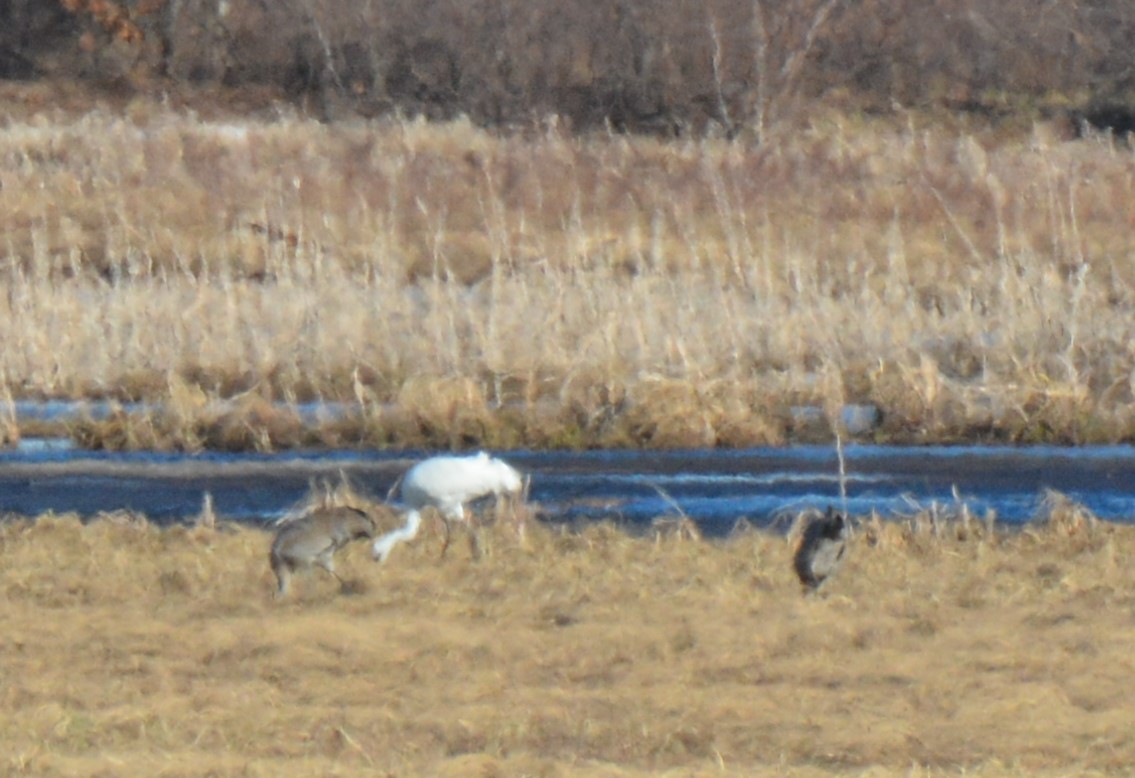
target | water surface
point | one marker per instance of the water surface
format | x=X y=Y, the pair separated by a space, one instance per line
x=715 y=488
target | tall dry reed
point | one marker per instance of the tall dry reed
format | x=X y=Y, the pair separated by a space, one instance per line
x=455 y=287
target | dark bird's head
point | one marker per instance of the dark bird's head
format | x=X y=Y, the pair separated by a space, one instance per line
x=833 y=526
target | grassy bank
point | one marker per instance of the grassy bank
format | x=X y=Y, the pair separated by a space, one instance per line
x=460 y=288
x=131 y=650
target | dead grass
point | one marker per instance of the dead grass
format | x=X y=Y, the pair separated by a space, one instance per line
x=131 y=650
x=453 y=287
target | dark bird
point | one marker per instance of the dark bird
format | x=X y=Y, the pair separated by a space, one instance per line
x=821 y=549
x=313 y=541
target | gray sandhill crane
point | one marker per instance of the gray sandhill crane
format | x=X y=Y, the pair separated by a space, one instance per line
x=821 y=549
x=313 y=540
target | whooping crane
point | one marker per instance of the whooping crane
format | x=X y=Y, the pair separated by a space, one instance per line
x=447 y=483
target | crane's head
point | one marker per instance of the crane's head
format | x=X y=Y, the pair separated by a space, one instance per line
x=506 y=479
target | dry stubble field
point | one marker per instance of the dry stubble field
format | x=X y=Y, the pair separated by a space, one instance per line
x=130 y=650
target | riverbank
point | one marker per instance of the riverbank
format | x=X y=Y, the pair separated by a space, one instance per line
x=145 y=651
x=459 y=288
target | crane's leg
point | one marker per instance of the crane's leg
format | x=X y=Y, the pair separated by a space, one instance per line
x=282 y=577
x=470 y=521
x=448 y=517
x=328 y=563
x=280 y=568
x=474 y=541
x=446 y=529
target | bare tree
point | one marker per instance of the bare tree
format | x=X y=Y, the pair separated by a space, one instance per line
x=782 y=43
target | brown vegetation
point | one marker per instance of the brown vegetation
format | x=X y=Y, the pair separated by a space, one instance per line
x=666 y=67
x=452 y=288
x=937 y=649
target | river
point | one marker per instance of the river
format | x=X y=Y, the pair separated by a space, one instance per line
x=715 y=488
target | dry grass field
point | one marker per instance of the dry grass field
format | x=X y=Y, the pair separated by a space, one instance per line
x=457 y=287
x=129 y=650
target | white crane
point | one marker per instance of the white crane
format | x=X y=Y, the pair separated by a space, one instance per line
x=446 y=483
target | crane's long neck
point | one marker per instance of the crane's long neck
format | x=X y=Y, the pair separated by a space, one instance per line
x=383 y=545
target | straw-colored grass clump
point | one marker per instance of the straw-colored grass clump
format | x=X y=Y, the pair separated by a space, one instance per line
x=134 y=650
x=452 y=287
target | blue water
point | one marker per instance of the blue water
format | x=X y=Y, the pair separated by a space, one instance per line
x=715 y=488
